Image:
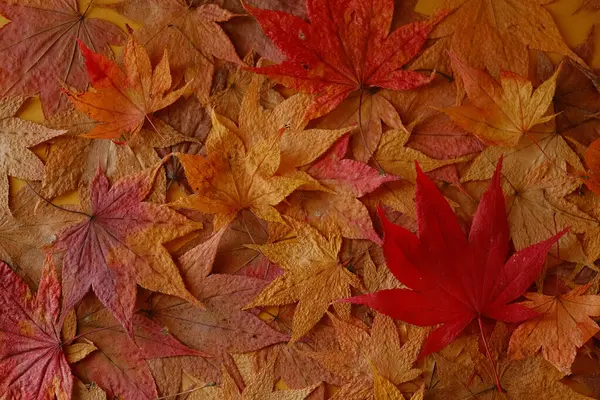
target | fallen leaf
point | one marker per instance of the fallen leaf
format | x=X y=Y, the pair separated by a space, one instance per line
x=123 y=101
x=433 y=133
x=74 y=159
x=396 y=158
x=501 y=113
x=333 y=214
x=293 y=363
x=589 y=5
x=119 y=366
x=259 y=386
x=467 y=372
x=563 y=325
x=494 y=35
x=254 y=166
x=371 y=113
x=30 y=226
x=478 y=283
x=227 y=100
x=38 y=51
x=342 y=50
x=313 y=277
x=344 y=175
x=188 y=117
x=16 y=137
x=32 y=361
x=366 y=358
x=119 y=243
x=334 y=208
x=190 y=27
x=90 y=391
x=222 y=327
x=537 y=210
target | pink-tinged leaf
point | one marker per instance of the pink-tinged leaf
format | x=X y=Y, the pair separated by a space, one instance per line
x=120 y=366
x=346 y=175
x=38 y=48
x=333 y=214
x=32 y=363
x=119 y=245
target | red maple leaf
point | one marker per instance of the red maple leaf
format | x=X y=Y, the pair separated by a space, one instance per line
x=32 y=362
x=454 y=279
x=345 y=47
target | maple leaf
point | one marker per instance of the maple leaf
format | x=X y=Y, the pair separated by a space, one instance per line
x=124 y=100
x=258 y=386
x=396 y=158
x=343 y=49
x=234 y=258
x=222 y=327
x=479 y=33
x=32 y=360
x=500 y=113
x=285 y=122
x=371 y=113
x=535 y=191
x=293 y=363
x=588 y=202
x=89 y=391
x=188 y=25
x=370 y=361
x=253 y=166
x=313 y=277
x=37 y=47
x=563 y=325
x=537 y=210
x=74 y=159
x=188 y=117
x=344 y=175
x=119 y=244
x=22 y=234
x=333 y=207
x=231 y=84
x=232 y=178
x=592 y=160
x=477 y=283
x=463 y=372
x=16 y=137
x=577 y=96
x=120 y=366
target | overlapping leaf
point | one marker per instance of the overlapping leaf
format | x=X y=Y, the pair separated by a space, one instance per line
x=120 y=244
x=124 y=100
x=345 y=47
x=38 y=47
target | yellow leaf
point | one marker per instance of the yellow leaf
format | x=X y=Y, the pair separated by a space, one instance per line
x=563 y=326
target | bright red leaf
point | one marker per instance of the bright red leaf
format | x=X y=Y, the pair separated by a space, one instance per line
x=452 y=278
x=32 y=363
x=347 y=46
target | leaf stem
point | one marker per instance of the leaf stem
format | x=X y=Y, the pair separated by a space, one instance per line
x=90 y=332
x=186 y=392
x=489 y=355
x=52 y=204
x=445 y=76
